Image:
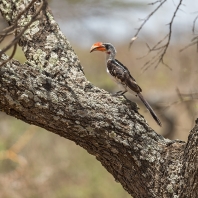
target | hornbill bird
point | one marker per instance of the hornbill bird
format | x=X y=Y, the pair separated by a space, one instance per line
x=121 y=75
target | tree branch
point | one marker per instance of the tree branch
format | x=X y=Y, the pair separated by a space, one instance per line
x=160 y=48
x=194 y=41
x=14 y=28
x=51 y=91
x=145 y=20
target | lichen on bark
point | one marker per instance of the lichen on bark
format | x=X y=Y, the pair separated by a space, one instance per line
x=50 y=90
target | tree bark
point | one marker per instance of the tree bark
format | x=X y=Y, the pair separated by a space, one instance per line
x=50 y=90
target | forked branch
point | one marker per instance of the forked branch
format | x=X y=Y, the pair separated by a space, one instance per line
x=14 y=29
x=161 y=47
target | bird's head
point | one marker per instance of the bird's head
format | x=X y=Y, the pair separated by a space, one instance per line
x=103 y=47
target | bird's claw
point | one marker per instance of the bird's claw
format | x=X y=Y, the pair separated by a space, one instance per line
x=119 y=93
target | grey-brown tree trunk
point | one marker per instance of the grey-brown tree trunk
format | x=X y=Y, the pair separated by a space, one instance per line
x=50 y=90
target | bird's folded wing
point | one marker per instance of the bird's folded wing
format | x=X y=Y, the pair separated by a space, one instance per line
x=122 y=75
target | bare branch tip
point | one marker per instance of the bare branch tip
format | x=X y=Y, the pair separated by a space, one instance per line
x=131 y=42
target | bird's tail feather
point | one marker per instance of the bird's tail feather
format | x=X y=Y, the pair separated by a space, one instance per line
x=150 y=109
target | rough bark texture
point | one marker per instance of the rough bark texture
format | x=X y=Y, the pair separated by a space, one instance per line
x=50 y=90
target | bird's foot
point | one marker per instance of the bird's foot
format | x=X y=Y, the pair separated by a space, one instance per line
x=119 y=93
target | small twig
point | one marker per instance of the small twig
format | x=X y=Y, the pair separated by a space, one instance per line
x=194 y=23
x=151 y=61
x=155 y=47
x=160 y=48
x=153 y=3
x=11 y=29
x=194 y=41
x=186 y=102
x=12 y=55
x=18 y=36
x=144 y=22
x=170 y=32
x=189 y=45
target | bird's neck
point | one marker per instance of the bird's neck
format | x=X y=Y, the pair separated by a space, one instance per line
x=110 y=56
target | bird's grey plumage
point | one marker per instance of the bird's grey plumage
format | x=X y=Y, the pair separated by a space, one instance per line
x=122 y=76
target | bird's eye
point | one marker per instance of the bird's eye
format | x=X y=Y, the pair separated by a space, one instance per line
x=107 y=47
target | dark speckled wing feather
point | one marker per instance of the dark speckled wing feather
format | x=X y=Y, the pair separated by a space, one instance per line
x=122 y=75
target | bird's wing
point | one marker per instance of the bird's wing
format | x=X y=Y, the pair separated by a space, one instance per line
x=122 y=75
x=124 y=67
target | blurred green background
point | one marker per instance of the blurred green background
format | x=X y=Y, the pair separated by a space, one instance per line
x=36 y=164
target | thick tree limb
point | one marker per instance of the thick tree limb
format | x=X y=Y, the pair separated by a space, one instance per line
x=51 y=91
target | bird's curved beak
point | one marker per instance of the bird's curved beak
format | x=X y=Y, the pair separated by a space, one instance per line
x=98 y=47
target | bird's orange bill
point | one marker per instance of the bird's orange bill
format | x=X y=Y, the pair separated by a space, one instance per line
x=98 y=47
